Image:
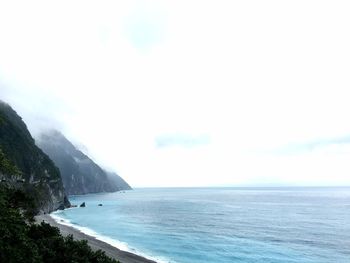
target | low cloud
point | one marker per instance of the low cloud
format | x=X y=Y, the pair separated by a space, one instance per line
x=216 y=86
x=182 y=140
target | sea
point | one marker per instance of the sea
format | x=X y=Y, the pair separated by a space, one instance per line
x=221 y=225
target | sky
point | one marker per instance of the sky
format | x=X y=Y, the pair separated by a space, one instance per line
x=187 y=93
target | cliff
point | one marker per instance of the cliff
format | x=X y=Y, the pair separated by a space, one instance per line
x=26 y=166
x=119 y=182
x=80 y=174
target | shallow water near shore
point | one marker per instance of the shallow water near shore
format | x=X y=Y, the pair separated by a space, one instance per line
x=190 y=225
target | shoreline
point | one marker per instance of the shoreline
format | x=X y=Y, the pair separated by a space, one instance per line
x=95 y=244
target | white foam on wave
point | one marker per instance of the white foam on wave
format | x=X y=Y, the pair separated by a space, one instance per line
x=115 y=243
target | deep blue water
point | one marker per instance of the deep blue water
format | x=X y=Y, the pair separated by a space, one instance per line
x=273 y=225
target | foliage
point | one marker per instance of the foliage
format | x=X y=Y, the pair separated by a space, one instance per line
x=19 y=146
x=21 y=241
x=6 y=167
x=15 y=245
x=30 y=182
x=37 y=174
x=1 y=119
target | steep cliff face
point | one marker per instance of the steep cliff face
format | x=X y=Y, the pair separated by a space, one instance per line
x=79 y=173
x=120 y=183
x=37 y=174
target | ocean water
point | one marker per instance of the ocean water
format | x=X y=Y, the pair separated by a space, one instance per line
x=190 y=225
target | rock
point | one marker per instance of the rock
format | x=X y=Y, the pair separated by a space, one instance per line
x=61 y=207
x=83 y=204
x=99 y=204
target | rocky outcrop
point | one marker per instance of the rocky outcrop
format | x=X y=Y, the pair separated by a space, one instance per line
x=36 y=174
x=80 y=174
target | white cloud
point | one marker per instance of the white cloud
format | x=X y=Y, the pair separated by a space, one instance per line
x=252 y=75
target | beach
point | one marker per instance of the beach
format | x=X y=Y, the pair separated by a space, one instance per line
x=122 y=256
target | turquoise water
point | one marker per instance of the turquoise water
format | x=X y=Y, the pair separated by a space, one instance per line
x=191 y=225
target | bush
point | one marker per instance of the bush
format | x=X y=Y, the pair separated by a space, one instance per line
x=22 y=241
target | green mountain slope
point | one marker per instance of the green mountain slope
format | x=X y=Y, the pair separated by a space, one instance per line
x=32 y=169
x=80 y=174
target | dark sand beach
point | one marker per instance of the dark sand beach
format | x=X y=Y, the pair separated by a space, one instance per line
x=122 y=256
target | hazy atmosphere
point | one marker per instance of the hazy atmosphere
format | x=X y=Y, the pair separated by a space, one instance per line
x=187 y=93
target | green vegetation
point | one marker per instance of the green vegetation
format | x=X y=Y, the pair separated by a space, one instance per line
x=23 y=241
x=1 y=119
x=26 y=166
x=30 y=182
x=6 y=167
x=19 y=147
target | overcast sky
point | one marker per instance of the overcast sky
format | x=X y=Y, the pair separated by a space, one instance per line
x=187 y=93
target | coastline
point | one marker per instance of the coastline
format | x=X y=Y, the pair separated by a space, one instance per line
x=95 y=244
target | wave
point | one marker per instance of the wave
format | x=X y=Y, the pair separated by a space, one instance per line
x=113 y=242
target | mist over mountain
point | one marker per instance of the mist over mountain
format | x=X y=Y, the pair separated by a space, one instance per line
x=118 y=181
x=80 y=174
x=27 y=167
